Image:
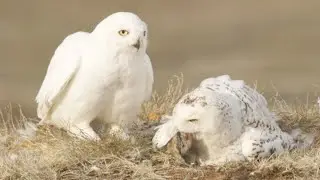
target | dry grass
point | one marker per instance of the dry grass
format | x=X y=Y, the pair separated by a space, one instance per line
x=51 y=154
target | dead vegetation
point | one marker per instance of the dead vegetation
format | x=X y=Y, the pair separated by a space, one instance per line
x=51 y=154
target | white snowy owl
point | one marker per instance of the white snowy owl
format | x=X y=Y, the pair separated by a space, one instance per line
x=103 y=74
x=228 y=121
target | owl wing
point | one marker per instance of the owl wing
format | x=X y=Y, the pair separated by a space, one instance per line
x=62 y=69
x=165 y=132
x=254 y=106
x=224 y=84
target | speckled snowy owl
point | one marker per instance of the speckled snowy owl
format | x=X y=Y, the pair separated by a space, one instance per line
x=227 y=120
x=104 y=74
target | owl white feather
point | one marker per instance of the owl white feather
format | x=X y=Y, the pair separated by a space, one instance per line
x=229 y=121
x=103 y=74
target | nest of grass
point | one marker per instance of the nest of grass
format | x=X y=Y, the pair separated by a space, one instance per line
x=52 y=154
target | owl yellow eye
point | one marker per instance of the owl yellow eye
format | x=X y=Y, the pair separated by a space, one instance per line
x=123 y=32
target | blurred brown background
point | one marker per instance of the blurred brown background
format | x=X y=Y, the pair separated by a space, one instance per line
x=275 y=41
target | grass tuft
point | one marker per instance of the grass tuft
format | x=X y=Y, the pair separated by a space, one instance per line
x=52 y=154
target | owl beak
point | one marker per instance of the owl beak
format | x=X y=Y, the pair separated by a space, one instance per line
x=137 y=44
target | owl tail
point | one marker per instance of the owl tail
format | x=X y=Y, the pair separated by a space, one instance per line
x=28 y=131
x=165 y=132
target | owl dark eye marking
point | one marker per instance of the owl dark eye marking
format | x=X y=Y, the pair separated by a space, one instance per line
x=144 y=33
x=193 y=120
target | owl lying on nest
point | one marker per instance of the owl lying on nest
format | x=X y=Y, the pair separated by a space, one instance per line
x=223 y=120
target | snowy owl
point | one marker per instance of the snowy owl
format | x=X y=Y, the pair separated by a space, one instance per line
x=104 y=74
x=224 y=120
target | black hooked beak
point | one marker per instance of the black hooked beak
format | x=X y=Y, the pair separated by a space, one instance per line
x=137 y=44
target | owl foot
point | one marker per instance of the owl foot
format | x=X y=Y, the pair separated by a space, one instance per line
x=83 y=132
x=119 y=133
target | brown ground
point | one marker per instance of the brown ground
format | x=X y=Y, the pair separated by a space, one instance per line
x=51 y=154
x=271 y=41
